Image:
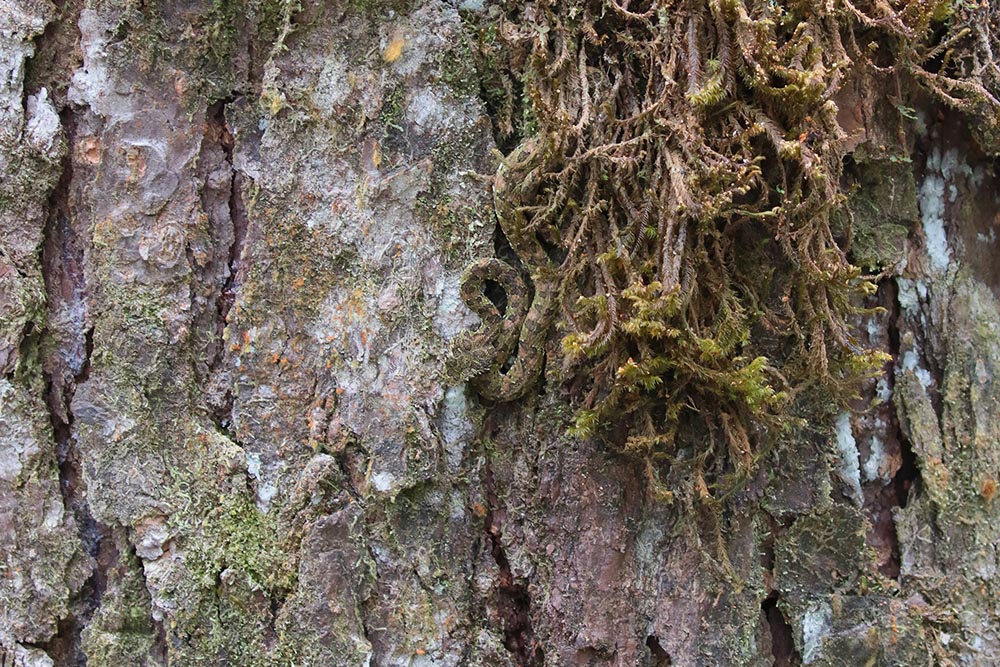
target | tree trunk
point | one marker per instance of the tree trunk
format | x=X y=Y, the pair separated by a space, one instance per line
x=232 y=242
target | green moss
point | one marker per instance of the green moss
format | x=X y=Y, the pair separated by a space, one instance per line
x=391 y=113
x=820 y=549
x=691 y=197
x=202 y=42
x=448 y=221
x=848 y=630
x=235 y=559
x=378 y=8
x=883 y=203
x=457 y=67
x=232 y=533
x=121 y=633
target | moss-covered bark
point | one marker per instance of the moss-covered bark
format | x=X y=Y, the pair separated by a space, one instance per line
x=232 y=239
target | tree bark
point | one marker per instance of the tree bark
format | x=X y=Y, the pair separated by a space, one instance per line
x=232 y=236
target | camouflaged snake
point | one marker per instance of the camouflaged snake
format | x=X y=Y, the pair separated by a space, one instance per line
x=504 y=356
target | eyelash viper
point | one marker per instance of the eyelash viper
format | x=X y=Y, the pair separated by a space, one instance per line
x=504 y=356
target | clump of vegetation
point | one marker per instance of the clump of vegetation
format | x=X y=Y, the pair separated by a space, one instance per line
x=685 y=171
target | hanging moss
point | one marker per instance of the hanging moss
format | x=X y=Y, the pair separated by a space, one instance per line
x=677 y=196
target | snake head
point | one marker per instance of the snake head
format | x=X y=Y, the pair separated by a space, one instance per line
x=466 y=359
x=513 y=174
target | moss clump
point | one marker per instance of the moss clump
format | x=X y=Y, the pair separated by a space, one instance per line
x=883 y=203
x=245 y=540
x=685 y=178
x=202 y=42
x=457 y=67
x=236 y=560
x=820 y=546
x=122 y=632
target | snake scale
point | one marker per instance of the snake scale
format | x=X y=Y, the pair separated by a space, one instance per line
x=504 y=356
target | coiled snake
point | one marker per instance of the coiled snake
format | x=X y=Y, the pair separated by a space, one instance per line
x=505 y=355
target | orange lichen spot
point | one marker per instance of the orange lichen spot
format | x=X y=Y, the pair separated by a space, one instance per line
x=988 y=490
x=136 y=162
x=90 y=150
x=394 y=50
x=701 y=487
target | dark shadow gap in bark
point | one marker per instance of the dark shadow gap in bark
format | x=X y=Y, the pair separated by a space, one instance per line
x=907 y=478
x=25 y=349
x=782 y=642
x=513 y=597
x=233 y=223
x=67 y=349
x=500 y=92
x=369 y=613
x=657 y=656
x=897 y=492
x=237 y=207
x=27 y=87
x=218 y=132
x=543 y=384
x=158 y=652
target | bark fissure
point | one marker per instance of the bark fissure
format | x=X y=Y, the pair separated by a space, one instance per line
x=658 y=657
x=907 y=477
x=237 y=217
x=231 y=226
x=782 y=641
x=895 y=493
x=67 y=349
x=513 y=596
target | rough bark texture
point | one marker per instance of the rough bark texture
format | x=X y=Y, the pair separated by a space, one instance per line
x=231 y=238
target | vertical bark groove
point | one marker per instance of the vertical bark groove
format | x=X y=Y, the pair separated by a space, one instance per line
x=782 y=642
x=66 y=352
x=657 y=656
x=513 y=597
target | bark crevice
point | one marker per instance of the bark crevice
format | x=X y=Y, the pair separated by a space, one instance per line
x=229 y=227
x=658 y=657
x=513 y=597
x=67 y=344
x=894 y=494
x=782 y=640
x=237 y=213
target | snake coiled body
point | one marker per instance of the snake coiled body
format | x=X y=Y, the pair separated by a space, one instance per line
x=504 y=356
